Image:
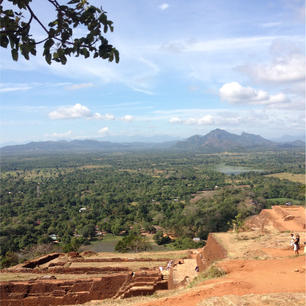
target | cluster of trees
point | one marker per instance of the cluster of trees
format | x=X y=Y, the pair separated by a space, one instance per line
x=133 y=242
x=115 y=193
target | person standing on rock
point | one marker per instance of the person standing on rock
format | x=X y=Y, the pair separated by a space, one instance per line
x=296 y=245
x=292 y=239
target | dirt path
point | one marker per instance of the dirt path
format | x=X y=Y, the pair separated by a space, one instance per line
x=180 y=272
x=280 y=218
x=245 y=277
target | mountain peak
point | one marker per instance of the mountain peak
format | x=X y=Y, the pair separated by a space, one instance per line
x=219 y=140
x=218 y=131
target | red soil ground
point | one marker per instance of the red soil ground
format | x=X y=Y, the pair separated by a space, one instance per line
x=280 y=272
x=284 y=273
x=245 y=277
x=280 y=218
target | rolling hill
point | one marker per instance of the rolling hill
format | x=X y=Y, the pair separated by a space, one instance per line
x=214 y=142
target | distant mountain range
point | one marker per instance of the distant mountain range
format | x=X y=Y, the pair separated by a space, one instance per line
x=289 y=138
x=222 y=141
x=215 y=141
x=81 y=146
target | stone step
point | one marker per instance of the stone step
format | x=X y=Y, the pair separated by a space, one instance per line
x=145 y=278
x=162 y=285
x=138 y=290
x=129 y=286
x=138 y=284
x=17 y=295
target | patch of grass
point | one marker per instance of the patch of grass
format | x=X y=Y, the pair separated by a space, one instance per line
x=299 y=178
x=107 y=244
x=131 y=265
x=161 y=255
x=212 y=272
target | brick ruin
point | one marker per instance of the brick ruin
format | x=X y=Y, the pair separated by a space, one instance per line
x=114 y=282
x=212 y=251
x=69 y=292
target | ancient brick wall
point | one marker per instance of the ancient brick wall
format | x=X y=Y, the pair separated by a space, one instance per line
x=211 y=252
x=69 y=292
x=59 y=292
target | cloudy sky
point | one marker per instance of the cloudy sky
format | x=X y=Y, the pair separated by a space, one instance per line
x=186 y=67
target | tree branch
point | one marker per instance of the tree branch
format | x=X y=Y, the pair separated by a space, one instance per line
x=36 y=18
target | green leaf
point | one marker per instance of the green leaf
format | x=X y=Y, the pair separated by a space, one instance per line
x=63 y=60
x=33 y=51
x=49 y=43
x=48 y=58
x=103 y=19
x=73 y=1
x=14 y=54
x=53 y=23
x=13 y=41
x=9 y=13
x=111 y=57
x=117 y=58
x=4 y=41
x=52 y=33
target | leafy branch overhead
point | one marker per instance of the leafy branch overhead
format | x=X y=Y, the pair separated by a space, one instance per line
x=60 y=38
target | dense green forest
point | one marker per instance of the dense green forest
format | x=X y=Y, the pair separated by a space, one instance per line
x=73 y=198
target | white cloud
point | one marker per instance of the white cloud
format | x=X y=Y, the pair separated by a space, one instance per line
x=109 y=117
x=259 y=121
x=134 y=70
x=204 y=120
x=235 y=93
x=164 y=6
x=10 y=89
x=77 y=111
x=127 y=118
x=208 y=119
x=141 y=78
x=175 y=120
x=71 y=112
x=91 y=69
x=60 y=135
x=103 y=131
x=147 y=92
x=103 y=117
x=282 y=70
x=79 y=86
x=219 y=44
x=278 y=98
x=270 y=24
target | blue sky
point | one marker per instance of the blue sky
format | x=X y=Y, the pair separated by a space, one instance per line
x=186 y=67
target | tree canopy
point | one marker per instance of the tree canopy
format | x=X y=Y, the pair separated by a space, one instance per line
x=131 y=194
x=62 y=36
